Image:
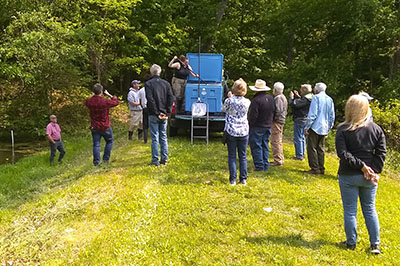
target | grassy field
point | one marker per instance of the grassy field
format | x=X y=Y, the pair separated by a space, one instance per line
x=185 y=213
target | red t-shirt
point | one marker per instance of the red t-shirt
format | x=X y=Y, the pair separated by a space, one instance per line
x=99 y=109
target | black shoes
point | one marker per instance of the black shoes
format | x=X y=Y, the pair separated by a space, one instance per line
x=140 y=133
x=351 y=247
x=130 y=134
x=375 y=249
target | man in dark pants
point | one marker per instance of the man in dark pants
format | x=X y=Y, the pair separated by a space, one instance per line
x=260 y=118
x=159 y=103
x=53 y=132
x=320 y=119
x=99 y=108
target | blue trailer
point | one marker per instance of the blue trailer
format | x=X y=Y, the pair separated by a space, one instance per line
x=208 y=89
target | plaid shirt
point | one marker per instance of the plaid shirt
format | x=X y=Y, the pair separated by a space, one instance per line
x=99 y=109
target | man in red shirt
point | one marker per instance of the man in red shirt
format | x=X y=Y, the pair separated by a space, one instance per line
x=99 y=109
x=53 y=132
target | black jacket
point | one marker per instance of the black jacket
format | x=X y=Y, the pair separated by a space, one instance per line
x=300 y=108
x=364 y=145
x=262 y=110
x=159 y=96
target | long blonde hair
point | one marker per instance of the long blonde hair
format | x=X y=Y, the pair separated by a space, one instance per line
x=356 y=112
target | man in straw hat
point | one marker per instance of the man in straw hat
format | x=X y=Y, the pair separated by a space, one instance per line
x=281 y=106
x=260 y=121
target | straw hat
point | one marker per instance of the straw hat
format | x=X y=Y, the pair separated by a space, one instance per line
x=260 y=86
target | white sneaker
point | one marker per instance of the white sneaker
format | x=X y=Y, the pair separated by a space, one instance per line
x=232 y=183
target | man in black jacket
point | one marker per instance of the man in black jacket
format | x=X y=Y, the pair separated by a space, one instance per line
x=159 y=103
x=260 y=118
x=300 y=105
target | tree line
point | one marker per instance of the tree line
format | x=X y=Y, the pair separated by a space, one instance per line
x=50 y=50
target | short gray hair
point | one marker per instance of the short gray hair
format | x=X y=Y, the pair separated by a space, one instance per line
x=53 y=116
x=278 y=87
x=320 y=86
x=155 y=70
x=306 y=87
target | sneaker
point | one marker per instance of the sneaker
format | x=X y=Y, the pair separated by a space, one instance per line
x=275 y=164
x=232 y=183
x=351 y=247
x=298 y=159
x=153 y=164
x=163 y=162
x=243 y=182
x=375 y=249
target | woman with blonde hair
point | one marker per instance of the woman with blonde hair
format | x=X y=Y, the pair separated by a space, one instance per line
x=237 y=130
x=361 y=147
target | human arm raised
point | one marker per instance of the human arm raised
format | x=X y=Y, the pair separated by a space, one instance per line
x=176 y=65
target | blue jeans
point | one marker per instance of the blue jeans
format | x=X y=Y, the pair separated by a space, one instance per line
x=158 y=132
x=238 y=144
x=299 y=139
x=352 y=187
x=108 y=137
x=259 y=139
x=58 y=145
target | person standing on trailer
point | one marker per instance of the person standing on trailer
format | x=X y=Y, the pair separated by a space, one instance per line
x=182 y=71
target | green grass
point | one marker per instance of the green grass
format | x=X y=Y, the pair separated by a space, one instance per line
x=127 y=213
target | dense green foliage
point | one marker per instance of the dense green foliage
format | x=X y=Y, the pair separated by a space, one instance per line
x=50 y=48
x=186 y=213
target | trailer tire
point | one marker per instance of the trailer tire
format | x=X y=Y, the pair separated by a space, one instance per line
x=173 y=131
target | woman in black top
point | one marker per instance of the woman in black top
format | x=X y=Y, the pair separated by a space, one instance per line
x=182 y=71
x=361 y=147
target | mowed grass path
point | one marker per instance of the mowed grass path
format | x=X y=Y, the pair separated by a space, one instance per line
x=185 y=213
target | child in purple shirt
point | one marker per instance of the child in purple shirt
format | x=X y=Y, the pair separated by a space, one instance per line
x=53 y=132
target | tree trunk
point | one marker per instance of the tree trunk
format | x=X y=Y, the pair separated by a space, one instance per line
x=394 y=60
x=290 y=52
x=218 y=18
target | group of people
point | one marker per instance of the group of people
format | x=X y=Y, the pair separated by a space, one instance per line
x=262 y=119
x=360 y=143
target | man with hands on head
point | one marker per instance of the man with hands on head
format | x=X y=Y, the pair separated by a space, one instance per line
x=300 y=103
x=99 y=109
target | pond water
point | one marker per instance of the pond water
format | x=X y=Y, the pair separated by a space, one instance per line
x=21 y=150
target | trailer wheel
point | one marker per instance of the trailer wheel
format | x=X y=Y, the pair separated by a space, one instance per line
x=173 y=131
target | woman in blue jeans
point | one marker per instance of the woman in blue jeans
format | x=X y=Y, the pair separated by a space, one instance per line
x=361 y=147
x=237 y=129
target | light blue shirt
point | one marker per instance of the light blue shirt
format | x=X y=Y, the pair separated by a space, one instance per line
x=321 y=115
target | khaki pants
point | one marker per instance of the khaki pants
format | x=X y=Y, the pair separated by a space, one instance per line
x=178 y=87
x=276 y=142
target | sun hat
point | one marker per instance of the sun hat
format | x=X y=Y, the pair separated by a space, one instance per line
x=260 y=85
x=366 y=95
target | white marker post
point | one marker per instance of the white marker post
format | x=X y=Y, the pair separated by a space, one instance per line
x=12 y=147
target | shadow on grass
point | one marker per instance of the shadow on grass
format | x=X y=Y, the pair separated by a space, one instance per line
x=293 y=240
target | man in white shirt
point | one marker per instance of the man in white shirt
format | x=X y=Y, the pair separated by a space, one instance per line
x=135 y=102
